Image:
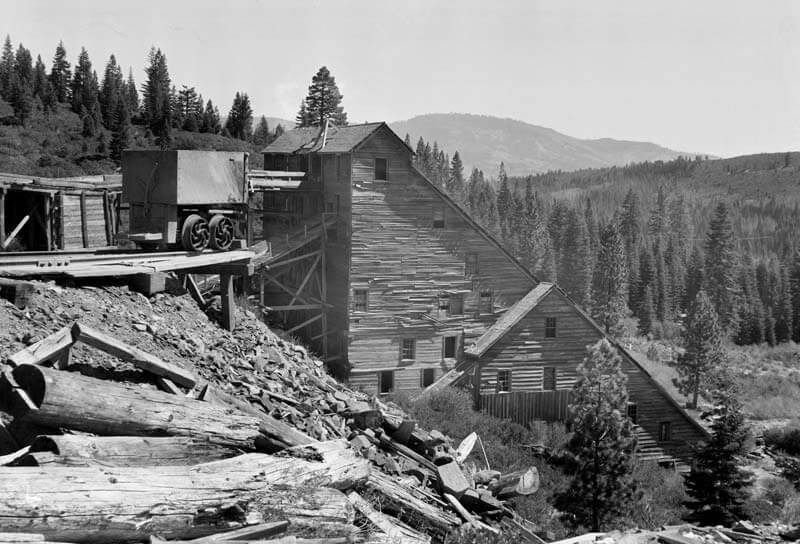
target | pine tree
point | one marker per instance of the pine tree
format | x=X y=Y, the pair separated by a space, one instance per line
x=783 y=309
x=610 y=282
x=131 y=95
x=210 y=122
x=794 y=290
x=695 y=277
x=111 y=91
x=84 y=88
x=155 y=98
x=278 y=131
x=721 y=267
x=656 y=226
x=455 y=182
x=322 y=102
x=503 y=202
x=60 y=74
x=121 y=131
x=646 y=313
x=703 y=349
x=601 y=450
x=190 y=109
x=6 y=69
x=261 y=135
x=240 y=118
x=41 y=85
x=716 y=483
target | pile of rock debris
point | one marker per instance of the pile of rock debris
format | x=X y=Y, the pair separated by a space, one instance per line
x=134 y=419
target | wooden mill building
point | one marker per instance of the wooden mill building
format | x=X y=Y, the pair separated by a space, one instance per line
x=403 y=289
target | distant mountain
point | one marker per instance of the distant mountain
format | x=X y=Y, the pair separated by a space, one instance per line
x=484 y=142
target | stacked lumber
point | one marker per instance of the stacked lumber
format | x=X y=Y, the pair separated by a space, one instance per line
x=266 y=449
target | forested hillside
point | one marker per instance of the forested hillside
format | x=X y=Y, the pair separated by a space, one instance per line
x=642 y=240
x=64 y=120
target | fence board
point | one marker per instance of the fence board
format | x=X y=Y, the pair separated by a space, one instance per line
x=525 y=406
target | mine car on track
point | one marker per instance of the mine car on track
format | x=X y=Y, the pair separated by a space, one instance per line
x=185 y=198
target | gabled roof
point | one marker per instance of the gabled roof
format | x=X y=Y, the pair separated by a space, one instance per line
x=509 y=319
x=315 y=139
x=527 y=303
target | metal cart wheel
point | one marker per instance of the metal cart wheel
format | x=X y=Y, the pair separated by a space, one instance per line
x=194 y=234
x=221 y=228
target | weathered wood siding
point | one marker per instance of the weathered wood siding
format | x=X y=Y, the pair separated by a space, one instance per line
x=526 y=352
x=406 y=264
x=71 y=221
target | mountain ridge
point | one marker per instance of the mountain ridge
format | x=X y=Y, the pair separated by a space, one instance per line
x=484 y=141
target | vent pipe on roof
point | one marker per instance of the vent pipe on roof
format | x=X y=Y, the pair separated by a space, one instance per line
x=325 y=134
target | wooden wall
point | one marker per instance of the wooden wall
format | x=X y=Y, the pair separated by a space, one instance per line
x=526 y=352
x=406 y=264
x=72 y=219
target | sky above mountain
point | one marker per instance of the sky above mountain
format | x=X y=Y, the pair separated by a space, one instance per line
x=718 y=76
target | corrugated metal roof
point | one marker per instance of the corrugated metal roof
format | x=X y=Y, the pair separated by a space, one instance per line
x=507 y=321
x=311 y=139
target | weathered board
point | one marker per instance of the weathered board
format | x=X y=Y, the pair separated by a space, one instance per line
x=407 y=263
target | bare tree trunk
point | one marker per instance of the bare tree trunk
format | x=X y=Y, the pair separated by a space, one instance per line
x=89 y=504
x=68 y=399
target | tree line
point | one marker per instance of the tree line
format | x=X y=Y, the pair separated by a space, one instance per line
x=113 y=103
x=629 y=259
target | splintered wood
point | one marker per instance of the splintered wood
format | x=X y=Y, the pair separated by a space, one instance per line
x=298 y=458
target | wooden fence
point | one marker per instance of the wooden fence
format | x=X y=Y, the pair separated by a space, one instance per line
x=525 y=406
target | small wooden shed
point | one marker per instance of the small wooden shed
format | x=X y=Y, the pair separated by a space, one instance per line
x=45 y=214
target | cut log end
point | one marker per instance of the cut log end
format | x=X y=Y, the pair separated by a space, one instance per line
x=31 y=379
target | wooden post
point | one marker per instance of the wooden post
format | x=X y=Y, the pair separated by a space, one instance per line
x=60 y=236
x=48 y=220
x=84 y=226
x=2 y=216
x=108 y=217
x=324 y=292
x=228 y=302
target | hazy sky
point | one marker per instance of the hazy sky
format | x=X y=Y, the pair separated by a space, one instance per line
x=720 y=77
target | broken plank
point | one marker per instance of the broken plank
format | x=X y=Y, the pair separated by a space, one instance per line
x=50 y=347
x=383 y=522
x=141 y=359
x=165 y=384
x=17 y=292
x=459 y=508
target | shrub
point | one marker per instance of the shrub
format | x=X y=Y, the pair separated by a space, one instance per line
x=784 y=438
x=663 y=496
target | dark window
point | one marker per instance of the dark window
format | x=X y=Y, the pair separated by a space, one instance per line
x=633 y=414
x=503 y=381
x=426 y=377
x=449 y=346
x=444 y=303
x=438 y=219
x=386 y=381
x=381 y=166
x=549 y=380
x=407 y=349
x=486 y=303
x=316 y=165
x=550 y=327
x=470 y=264
x=361 y=300
x=664 y=431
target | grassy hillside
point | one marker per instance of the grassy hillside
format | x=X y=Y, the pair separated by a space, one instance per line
x=52 y=145
x=484 y=142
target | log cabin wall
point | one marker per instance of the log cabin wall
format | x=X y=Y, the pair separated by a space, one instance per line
x=535 y=363
x=409 y=254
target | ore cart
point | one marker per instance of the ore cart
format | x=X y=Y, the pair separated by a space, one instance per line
x=182 y=198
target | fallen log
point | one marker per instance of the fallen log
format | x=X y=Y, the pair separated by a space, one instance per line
x=130 y=451
x=402 y=502
x=260 y=531
x=139 y=358
x=80 y=504
x=70 y=400
x=388 y=525
x=514 y=484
